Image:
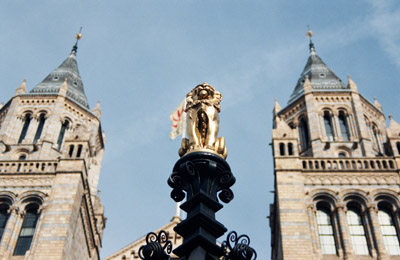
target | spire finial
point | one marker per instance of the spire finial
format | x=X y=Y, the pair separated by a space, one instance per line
x=309 y=35
x=78 y=36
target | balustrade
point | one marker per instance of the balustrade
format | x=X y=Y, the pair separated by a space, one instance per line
x=346 y=164
x=27 y=166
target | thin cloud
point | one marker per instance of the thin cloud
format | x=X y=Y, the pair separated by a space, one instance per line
x=384 y=23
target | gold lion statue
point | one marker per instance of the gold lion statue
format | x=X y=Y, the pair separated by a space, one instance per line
x=202 y=122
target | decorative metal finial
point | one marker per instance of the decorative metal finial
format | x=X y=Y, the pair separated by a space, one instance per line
x=78 y=36
x=309 y=35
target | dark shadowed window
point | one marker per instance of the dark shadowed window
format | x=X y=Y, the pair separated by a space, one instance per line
x=27 y=230
x=281 y=149
x=328 y=126
x=3 y=218
x=344 y=129
x=64 y=127
x=304 y=133
x=42 y=120
x=290 y=149
x=79 y=152
x=27 y=122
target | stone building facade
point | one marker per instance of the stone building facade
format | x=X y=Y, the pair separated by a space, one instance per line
x=131 y=251
x=336 y=166
x=51 y=148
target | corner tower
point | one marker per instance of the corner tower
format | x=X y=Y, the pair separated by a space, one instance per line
x=51 y=148
x=336 y=167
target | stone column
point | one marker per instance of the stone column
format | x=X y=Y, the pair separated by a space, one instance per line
x=314 y=230
x=348 y=251
x=11 y=232
x=336 y=127
x=338 y=237
x=369 y=233
x=376 y=231
x=30 y=254
x=351 y=125
x=322 y=127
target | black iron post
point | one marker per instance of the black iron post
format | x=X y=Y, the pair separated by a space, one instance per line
x=202 y=176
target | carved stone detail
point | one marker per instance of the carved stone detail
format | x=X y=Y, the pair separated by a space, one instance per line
x=351 y=179
x=21 y=181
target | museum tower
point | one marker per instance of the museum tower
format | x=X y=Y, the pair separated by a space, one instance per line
x=51 y=148
x=336 y=167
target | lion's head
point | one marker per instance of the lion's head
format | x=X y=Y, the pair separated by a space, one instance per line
x=204 y=91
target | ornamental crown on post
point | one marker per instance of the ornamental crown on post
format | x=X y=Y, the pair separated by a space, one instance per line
x=202 y=122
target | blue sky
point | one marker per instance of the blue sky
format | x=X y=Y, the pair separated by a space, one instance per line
x=140 y=58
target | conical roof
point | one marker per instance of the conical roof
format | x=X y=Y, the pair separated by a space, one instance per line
x=67 y=70
x=322 y=78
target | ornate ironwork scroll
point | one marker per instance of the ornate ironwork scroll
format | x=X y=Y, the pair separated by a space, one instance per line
x=237 y=247
x=157 y=247
x=191 y=176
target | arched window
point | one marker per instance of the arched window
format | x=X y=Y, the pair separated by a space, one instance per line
x=357 y=232
x=79 y=152
x=281 y=149
x=328 y=126
x=27 y=230
x=342 y=155
x=27 y=122
x=3 y=217
x=344 y=129
x=375 y=138
x=64 y=127
x=22 y=157
x=71 y=150
x=304 y=133
x=398 y=147
x=389 y=232
x=325 y=231
x=290 y=149
x=42 y=120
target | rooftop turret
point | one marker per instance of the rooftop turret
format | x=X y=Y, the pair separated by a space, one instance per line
x=68 y=70
x=321 y=77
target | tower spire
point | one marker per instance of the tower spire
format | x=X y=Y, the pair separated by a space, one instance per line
x=310 y=35
x=78 y=36
x=68 y=69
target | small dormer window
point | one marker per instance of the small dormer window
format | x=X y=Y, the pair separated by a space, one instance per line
x=75 y=83
x=322 y=75
x=55 y=78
